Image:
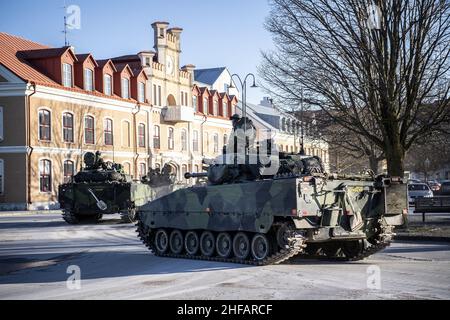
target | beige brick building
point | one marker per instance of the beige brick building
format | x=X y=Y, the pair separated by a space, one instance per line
x=140 y=110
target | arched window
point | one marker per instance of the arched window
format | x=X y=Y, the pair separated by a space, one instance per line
x=142 y=170
x=195 y=141
x=108 y=132
x=157 y=166
x=141 y=135
x=126 y=141
x=216 y=143
x=156 y=137
x=89 y=130
x=68 y=127
x=183 y=171
x=171 y=139
x=216 y=108
x=45 y=175
x=205 y=105
x=183 y=140
x=206 y=142
x=69 y=170
x=127 y=168
x=225 y=110
x=195 y=103
x=45 y=126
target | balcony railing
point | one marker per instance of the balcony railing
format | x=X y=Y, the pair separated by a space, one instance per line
x=178 y=114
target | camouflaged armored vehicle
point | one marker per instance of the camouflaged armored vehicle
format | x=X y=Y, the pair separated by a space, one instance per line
x=253 y=216
x=103 y=188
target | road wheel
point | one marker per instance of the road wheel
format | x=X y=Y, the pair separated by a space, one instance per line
x=207 y=244
x=352 y=249
x=241 y=246
x=224 y=245
x=128 y=216
x=331 y=250
x=176 y=242
x=70 y=217
x=260 y=247
x=192 y=243
x=161 y=241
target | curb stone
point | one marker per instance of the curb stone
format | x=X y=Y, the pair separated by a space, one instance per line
x=407 y=237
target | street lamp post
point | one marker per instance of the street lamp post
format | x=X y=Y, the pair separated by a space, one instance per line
x=302 y=142
x=244 y=101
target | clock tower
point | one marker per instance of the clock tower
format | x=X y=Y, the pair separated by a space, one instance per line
x=167 y=46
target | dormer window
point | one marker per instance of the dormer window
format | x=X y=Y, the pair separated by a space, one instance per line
x=88 y=80
x=67 y=75
x=125 y=88
x=107 y=79
x=141 y=92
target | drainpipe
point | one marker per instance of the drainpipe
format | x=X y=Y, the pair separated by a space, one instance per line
x=149 y=136
x=136 y=154
x=205 y=117
x=29 y=149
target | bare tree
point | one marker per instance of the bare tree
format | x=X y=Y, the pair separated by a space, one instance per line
x=383 y=62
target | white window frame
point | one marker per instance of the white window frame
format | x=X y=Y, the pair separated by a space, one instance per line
x=105 y=120
x=141 y=91
x=88 y=80
x=84 y=129
x=129 y=134
x=107 y=90
x=171 y=142
x=39 y=124
x=73 y=126
x=64 y=169
x=51 y=176
x=125 y=93
x=67 y=82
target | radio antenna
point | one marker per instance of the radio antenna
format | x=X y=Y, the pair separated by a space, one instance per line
x=65 y=31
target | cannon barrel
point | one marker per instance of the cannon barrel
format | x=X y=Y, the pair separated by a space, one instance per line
x=192 y=175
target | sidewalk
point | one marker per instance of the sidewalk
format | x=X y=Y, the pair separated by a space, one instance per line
x=436 y=228
x=28 y=213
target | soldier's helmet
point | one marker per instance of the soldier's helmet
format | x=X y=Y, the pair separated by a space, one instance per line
x=89 y=159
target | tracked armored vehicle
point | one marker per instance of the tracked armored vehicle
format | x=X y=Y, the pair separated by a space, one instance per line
x=103 y=188
x=247 y=215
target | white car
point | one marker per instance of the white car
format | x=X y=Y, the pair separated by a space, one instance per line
x=418 y=190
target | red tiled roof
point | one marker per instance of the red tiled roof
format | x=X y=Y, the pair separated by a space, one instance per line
x=14 y=49
x=12 y=60
x=43 y=53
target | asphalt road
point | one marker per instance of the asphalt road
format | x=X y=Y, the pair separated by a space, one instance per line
x=37 y=250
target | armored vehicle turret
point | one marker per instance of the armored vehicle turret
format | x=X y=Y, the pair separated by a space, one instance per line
x=103 y=188
x=258 y=210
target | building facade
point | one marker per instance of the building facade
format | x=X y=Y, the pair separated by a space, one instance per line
x=141 y=110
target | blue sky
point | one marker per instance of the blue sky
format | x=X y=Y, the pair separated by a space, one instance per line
x=216 y=32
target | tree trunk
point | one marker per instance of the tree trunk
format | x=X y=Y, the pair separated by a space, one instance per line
x=395 y=157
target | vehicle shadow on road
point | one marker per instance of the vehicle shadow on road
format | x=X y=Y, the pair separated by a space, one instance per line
x=28 y=269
